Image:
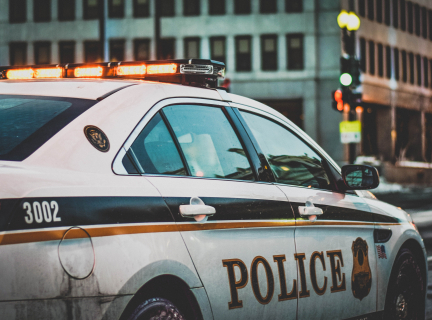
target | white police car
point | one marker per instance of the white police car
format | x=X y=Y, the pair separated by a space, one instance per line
x=171 y=199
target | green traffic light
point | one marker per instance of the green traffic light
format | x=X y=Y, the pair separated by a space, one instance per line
x=345 y=79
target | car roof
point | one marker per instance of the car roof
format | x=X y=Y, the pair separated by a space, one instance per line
x=68 y=88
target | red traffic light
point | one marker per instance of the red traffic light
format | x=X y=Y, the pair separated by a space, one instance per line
x=338 y=100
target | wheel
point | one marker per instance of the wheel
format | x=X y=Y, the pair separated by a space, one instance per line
x=156 y=309
x=406 y=290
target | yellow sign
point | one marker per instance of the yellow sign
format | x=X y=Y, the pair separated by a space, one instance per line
x=350 y=131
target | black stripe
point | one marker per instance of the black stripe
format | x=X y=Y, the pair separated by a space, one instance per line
x=84 y=211
x=236 y=209
x=6 y=207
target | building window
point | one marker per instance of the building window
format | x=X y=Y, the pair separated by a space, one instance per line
x=268 y=6
x=411 y=67
x=243 y=53
x=168 y=48
x=66 y=10
x=402 y=10
x=216 y=7
x=371 y=57
x=217 y=49
x=191 y=7
x=363 y=54
x=41 y=10
x=242 y=6
x=269 y=52
x=166 y=8
x=417 y=19
x=380 y=54
x=117 y=50
x=141 y=49
x=17 y=11
x=410 y=17
x=371 y=11
x=116 y=8
x=387 y=12
x=42 y=52
x=192 y=48
x=141 y=8
x=293 y=6
x=362 y=7
x=404 y=66
x=396 y=63
x=18 y=53
x=426 y=72
x=67 y=51
x=419 y=70
x=92 y=51
x=430 y=24
x=396 y=13
x=379 y=10
x=424 y=22
x=90 y=9
x=388 y=62
x=295 y=52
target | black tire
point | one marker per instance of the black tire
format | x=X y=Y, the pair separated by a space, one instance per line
x=406 y=290
x=156 y=309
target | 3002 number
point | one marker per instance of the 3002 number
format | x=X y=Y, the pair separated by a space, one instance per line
x=41 y=212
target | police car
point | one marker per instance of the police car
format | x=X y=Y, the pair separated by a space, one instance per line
x=143 y=191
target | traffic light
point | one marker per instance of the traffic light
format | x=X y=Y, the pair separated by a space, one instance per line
x=350 y=72
x=337 y=103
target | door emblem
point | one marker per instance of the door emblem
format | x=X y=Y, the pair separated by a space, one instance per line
x=97 y=138
x=361 y=279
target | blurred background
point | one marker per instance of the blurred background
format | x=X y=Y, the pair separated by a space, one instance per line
x=288 y=54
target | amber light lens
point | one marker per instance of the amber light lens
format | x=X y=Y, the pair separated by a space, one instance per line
x=20 y=74
x=88 y=72
x=131 y=70
x=161 y=68
x=48 y=73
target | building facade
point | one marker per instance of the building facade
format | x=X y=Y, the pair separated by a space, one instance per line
x=284 y=53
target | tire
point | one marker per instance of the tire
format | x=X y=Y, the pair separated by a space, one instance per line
x=156 y=309
x=406 y=290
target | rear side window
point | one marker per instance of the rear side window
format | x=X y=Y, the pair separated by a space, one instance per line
x=291 y=160
x=27 y=122
x=208 y=141
x=155 y=151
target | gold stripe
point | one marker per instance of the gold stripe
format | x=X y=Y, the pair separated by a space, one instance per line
x=50 y=235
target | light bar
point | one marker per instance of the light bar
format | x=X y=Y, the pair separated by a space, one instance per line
x=91 y=72
x=20 y=73
x=131 y=70
x=48 y=73
x=161 y=68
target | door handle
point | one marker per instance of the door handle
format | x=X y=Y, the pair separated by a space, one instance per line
x=197 y=209
x=310 y=211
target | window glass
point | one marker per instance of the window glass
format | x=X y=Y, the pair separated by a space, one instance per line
x=155 y=150
x=42 y=52
x=27 y=122
x=295 y=52
x=291 y=160
x=18 y=53
x=216 y=7
x=242 y=6
x=217 y=50
x=243 y=53
x=141 y=8
x=17 y=11
x=191 y=7
x=67 y=51
x=117 y=50
x=209 y=143
x=268 y=6
x=142 y=49
x=192 y=48
x=292 y=6
x=269 y=52
x=116 y=8
x=90 y=9
x=41 y=10
x=66 y=10
x=92 y=51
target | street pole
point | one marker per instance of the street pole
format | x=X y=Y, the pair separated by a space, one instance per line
x=157 y=28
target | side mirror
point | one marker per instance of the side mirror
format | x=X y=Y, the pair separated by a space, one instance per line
x=360 y=177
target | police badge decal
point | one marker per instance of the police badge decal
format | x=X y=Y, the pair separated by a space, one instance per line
x=361 y=278
x=97 y=138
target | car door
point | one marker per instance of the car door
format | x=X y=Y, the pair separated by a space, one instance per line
x=193 y=153
x=335 y=245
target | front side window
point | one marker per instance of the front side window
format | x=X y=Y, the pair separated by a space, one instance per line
x=210 y=146
x=291 y=160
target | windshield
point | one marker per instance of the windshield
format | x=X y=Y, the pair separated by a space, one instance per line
x=27 y=122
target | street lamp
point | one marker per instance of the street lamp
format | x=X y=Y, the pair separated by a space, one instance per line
x=350 y=20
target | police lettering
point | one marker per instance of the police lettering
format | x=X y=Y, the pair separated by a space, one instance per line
x=238 y=280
